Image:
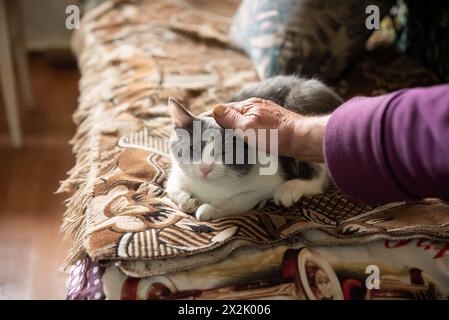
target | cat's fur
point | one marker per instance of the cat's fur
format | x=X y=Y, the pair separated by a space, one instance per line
x=230 y=189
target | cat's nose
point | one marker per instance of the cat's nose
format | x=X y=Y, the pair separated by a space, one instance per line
x=205 y=169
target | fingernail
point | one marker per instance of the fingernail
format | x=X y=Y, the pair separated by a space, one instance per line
x=219 y=111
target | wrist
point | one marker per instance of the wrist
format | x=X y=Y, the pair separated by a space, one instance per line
x=307 y=137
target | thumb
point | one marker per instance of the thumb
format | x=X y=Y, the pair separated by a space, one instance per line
x=228 y=117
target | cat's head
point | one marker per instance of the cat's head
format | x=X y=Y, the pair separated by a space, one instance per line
x=204 y=150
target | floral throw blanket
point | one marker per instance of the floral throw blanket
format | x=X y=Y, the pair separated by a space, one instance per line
x=133 y=55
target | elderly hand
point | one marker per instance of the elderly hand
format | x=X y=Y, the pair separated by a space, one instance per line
x=299 y=137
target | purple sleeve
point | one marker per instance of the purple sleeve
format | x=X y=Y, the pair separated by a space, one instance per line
x=391 y=147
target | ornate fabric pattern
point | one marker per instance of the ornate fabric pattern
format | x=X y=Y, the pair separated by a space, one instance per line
x=306 y=37
x=426 y=35
x=132 y=58
x=408 y=270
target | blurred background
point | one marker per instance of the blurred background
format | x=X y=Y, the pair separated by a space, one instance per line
x=30 y=214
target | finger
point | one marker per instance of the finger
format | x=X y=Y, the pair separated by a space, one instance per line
x=228 y=117
x=246 y=105
x=236 y=105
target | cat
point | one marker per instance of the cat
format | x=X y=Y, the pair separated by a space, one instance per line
x=214 y=190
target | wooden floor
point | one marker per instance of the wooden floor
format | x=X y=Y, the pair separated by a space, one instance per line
x=31 y=247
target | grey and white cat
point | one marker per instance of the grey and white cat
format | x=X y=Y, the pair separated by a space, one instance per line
x=214 y=189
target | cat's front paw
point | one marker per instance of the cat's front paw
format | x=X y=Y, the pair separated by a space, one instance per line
x=288 y=193
x=206 y=212
x=185 y=201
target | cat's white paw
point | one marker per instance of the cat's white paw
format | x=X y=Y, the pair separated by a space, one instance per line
x=205 y=212
x=289 y=193
x=187 y=203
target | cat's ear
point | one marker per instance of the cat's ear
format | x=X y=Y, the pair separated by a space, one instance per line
x=180 y=116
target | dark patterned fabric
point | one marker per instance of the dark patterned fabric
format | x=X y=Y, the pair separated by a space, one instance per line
x=306 y=37
x=426 y=35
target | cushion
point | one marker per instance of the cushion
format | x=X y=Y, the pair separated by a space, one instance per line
x=306 y=37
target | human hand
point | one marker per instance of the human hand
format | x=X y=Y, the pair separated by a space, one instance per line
x=299 y=137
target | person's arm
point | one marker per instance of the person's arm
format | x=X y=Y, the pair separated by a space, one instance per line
x=378 y=149
x=391 y=147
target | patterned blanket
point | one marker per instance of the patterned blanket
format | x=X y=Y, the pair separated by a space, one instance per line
x=384 y=269
x=133 y=55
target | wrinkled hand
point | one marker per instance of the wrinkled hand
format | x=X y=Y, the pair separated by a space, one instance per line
x=255 y=113
x=298 y=136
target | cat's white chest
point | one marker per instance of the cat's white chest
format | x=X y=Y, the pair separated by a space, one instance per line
x=233 y=196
